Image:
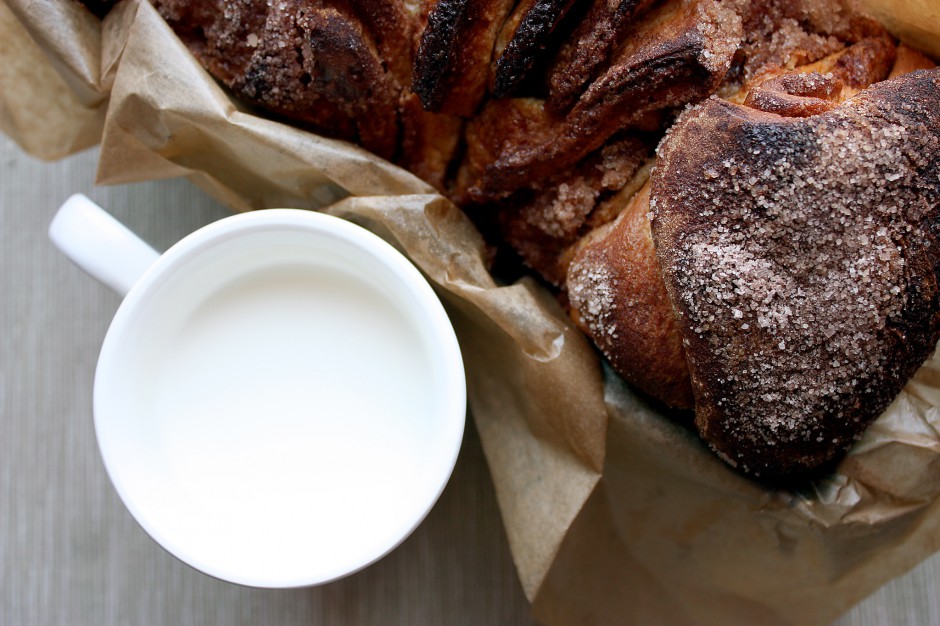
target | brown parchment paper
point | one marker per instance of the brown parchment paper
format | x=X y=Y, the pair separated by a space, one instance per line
x=614 y=514
x=52 y=101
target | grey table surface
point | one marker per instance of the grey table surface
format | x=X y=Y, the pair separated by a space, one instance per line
x=71 y=554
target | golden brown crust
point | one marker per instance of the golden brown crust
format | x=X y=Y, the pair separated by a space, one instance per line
x=817 y=87
x=619 y=299
x=802 y=258
x=796 y=95
x=865 y=62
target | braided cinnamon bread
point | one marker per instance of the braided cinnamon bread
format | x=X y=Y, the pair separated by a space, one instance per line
x=771 y=264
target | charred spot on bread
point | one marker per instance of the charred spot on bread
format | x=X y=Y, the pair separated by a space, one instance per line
x=538 y=20
x=452 y=65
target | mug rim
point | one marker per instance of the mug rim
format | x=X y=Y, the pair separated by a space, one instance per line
x=447 y=360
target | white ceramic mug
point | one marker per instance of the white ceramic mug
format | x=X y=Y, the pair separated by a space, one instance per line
x=280 y=398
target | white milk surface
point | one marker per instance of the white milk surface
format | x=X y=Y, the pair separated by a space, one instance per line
x=290 y=403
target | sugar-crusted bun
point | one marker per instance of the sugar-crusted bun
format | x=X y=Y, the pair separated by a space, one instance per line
x=801 y=258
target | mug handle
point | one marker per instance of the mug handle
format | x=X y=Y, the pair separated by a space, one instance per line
x=99 y=244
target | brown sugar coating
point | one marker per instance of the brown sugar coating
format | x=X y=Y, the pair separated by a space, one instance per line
x=801 y=257
x=308 y=62
x=542 y=224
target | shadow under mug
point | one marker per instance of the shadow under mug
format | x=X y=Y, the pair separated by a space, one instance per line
x=280 y=398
